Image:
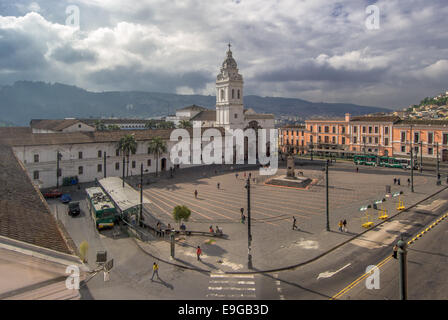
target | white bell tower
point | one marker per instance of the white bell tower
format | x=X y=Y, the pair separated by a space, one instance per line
x=229 y=95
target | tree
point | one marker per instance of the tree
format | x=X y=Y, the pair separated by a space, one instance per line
x=99 y=125
x=181 y=213
x=165 y=125
x=156 y=147
x=127 y=145
x=184 y=124
x=113 y=127
x=151 y=124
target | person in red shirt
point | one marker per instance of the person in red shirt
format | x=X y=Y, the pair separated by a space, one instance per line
x=198 y=253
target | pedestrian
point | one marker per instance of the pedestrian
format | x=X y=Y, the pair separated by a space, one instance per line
x=211 y=229
x=344 y=223
x=294 y=221
x=196 y=194
x=250 y=175
x=340 y=224
x=198 y=253
x=395 y=251
x=395 y=181
x=357 y=170
x=399 y=182
x=409 y=182
x=218 y=184
x=236 y=175
x=244 y=175
x=155 y=271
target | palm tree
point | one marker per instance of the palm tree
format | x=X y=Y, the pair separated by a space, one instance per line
x=151 y=124
x=184 y=124
x=99 y=125
x=127 y=145
x=156 y=147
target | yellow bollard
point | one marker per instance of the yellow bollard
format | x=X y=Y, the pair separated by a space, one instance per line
x=400 y=205
x=368 y=224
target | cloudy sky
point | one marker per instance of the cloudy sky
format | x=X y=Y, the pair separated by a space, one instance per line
x=319 y=50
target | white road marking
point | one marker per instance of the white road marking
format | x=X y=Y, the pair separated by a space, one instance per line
x=231 y=288
x=329 y=274
x=249 y=276
x=228 y=281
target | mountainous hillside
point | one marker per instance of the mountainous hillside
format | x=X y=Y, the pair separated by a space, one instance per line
x=26 y=100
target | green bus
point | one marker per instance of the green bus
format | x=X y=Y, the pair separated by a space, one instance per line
x=103 y=211
x=366 y=159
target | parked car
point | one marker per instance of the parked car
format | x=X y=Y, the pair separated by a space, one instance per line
x=55 y=193
x=65 y=198
x=73 y=209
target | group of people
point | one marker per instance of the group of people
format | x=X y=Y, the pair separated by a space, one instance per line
x=218 y=231
x=342 y=225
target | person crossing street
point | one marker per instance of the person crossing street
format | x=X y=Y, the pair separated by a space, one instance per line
x=155 y=271
x=198 y=253
x=294 y=223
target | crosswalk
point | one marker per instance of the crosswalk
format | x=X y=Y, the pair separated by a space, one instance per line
x=231 y=286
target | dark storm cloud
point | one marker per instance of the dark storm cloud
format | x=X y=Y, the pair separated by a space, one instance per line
x=70 y=55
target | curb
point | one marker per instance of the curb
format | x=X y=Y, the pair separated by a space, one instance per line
x=312 y=259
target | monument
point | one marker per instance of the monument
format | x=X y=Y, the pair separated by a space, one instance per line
x=290 y=179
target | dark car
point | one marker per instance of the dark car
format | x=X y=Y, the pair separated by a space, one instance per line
x=52 y=194
x=73 y=209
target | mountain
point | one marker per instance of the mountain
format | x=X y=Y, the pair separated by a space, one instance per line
x=26 y=100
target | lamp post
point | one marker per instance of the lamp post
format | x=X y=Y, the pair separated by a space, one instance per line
x=123 y=170
x=403 y=281
x=412 y=164
x=438 y=173
x=141 y=192
x=249 y=235
x=421 y=156
x=105 y=170
x=58 y=173
x=326 y=197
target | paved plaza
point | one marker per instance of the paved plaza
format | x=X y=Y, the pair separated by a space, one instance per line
x=275 y=244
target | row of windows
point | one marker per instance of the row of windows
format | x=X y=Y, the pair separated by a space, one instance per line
x=233 y=94
x=99 y=168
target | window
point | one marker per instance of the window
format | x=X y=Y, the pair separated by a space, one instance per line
x=80 y=170
x=370 y=129
x=100 y=168
x=343 y=130
x=363 y=129
x=333 y=139
x=117 y=165
x=355 y=129
x=117 y=152
x=386 y=130
x=364 y=140
x=416 y=150
x=355 y=139
x=327 y=139
x=327 y=129
x=343 y=140
x=370 y=139
x=445 y=138
x=238 y=94
x=311 y=128
x=149 y=163
x=36 y=175
x=376 y=140
x=133 y=164
x=79 y=125
x=36 y=158
x=302 y=133
x=403 y=136
x=430 y=151
x=233 y=93
x=222 y=95
x=334 y=129
x=100 y=154
x=386 y=141
x=416 y=137
x=403 y=148
x=376 y=129
x=430 y=138
x=236 y=115
x=311 y=139
x=320 y=129
x=80 y=155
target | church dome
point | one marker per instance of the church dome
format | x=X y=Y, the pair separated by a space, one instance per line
x=229 y=62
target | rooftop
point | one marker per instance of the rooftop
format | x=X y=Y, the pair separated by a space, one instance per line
x=54 y=125
x=24 y=214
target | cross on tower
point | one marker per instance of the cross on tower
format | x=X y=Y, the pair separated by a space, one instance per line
x=229 y=46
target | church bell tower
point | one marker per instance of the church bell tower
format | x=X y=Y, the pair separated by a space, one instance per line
x=229 y=95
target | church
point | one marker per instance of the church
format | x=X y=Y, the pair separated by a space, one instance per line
x=230 y=112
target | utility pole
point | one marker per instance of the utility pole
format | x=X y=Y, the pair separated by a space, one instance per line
x=58 y=156
x=421 y=155
x=141 y=192
x=326 y=193
x=402 y=254
x=249 y=235
x=123 y=171
x=105 y=172
x=438 y=174
x=412 y=164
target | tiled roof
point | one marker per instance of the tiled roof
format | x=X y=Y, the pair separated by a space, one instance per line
x=432 y=122
x=193 y=108
x=92 y=122
x=376 y=119
x=38 y=139
x=54 y=125
x=259 y=116
x=206 y=115
x=24 y=216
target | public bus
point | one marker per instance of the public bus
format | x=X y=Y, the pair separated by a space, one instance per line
x=366 y=159
x=103 y=211
x=388 y=162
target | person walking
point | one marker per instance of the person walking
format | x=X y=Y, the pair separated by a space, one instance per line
x=357 y=169
x=217 y=185
x=236 y=175
x=243 y=218
x=409 y=182
x=395 y=250
x=344 y=223
x=198 y=253
x=395 y=181
x=398 y=181
x=155 y=271
x=340 y=224
x=294 y=223
x=196 y=194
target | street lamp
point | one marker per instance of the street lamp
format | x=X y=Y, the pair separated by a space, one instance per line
x=403 y=281
x=249 y=235
x=412 y=163
x=326 y=197
x=58 y=171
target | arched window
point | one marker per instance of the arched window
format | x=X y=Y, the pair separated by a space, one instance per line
x=233 y=93
x=238 y=94
x=222 y=94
